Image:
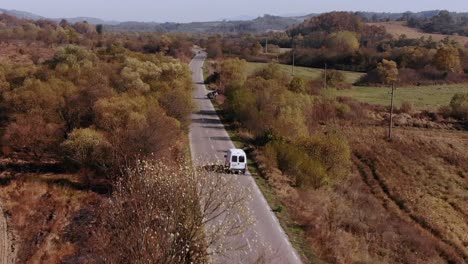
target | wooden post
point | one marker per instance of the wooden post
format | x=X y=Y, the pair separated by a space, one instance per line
x=326 y=76
x=391 y=113
x=293 y=62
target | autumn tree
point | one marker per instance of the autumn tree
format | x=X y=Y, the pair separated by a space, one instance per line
x=214 y=48
x=232 y=70
x=343 y=41
x=89 y=148
x=448 y=59
x=387 y=71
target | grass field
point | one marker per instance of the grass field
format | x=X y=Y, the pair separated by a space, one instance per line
x=304 y=72
x=422 y=97
x=397 y=29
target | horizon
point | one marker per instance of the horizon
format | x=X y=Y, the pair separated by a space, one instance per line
x=204 y=11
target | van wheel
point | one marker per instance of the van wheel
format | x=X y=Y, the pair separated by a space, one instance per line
x=243 y=171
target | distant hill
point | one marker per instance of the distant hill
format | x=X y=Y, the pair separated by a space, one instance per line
x=258 y=25
x=21 y=14
x=383 y=16
x=31 y=16
x=90 y=20
x=241 y=24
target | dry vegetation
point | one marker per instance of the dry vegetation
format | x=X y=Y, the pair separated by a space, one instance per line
x=402 y=202
x=39 y=208
x=59 y=167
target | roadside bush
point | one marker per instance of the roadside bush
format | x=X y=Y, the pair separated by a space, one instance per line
x=321 y=160
x=334 y=78
x=232 y=70
x=459 y=106
x=334 y=153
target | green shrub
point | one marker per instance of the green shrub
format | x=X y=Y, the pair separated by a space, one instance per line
x=297 y=85
x=334 y=78
x=459 y=106
x=333 y=151
x=296 y=162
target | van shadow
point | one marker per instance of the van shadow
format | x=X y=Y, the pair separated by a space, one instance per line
x=207 y=121
x=220 y=138
x=208 y=112
x=214 y=127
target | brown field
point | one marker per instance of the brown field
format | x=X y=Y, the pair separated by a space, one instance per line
x=403 y=202
x=399 y=28
x=41 y=209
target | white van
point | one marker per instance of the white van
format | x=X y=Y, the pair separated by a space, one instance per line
x=236 y=161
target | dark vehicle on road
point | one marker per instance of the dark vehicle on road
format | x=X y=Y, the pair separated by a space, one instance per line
x=212 y=95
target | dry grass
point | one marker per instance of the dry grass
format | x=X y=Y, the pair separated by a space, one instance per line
x=39 y=209
x=404 y=201
x=424 y=173
x=399 y=28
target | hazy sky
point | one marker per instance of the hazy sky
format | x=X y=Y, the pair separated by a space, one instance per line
x=205 y=10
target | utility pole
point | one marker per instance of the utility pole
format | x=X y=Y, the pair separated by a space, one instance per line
x=266 y=45
x=326 y=75
x=391 y=113
x=293 y=62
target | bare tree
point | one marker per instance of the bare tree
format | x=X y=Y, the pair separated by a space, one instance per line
x=163 y=213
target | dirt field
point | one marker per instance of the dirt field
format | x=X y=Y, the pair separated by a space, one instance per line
x=399 y=28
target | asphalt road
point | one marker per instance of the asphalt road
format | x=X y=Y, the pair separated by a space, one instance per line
x=209 y=140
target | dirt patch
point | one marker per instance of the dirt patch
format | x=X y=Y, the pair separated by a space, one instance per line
x=40 y=209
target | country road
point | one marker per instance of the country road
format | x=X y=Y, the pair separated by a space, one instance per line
x=208 y=141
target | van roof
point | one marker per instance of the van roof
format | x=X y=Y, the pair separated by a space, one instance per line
x=237 y=152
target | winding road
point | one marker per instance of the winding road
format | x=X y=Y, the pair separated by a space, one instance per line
x=209 y=141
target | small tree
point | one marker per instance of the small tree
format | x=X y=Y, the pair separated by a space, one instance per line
x=387 y=71
x=388 y=74
x=161 y=213
x=334 y=78
x=448 y=59
x=344 y=41
x=99 y=29
x=459 y=106
x=297 y=85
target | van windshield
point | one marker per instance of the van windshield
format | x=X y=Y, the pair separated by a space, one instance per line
x=241 y=159
x=234 y=159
